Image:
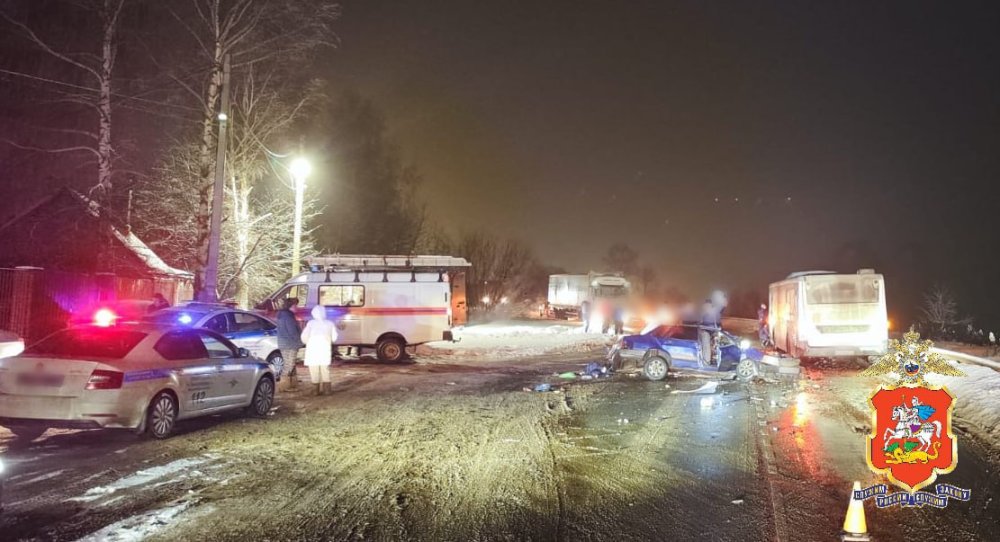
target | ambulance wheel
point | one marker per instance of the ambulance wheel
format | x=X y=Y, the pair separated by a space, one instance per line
x=655 y=368
x=162 y=415
x=390 y=350
x=27 y=432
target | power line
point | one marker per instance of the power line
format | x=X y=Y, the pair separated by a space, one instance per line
x=94 y=90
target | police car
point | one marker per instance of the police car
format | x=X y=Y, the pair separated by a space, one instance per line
x=10 y=344
x=144 y=377
x=245 y=329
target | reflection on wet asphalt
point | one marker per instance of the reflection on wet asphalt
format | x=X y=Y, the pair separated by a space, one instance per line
x=817 y=427
x=685 y=462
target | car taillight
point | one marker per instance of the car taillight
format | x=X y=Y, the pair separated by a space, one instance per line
x=105 y=380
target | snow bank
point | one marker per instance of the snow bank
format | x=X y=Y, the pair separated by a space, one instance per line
x=978 y=394
x=177 y=468
x=514 y=340
x=139 y=527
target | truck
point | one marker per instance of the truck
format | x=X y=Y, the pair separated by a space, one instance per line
x=568 y=292
x=826 y=314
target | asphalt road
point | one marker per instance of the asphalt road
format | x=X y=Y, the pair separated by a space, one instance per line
x=459 y=451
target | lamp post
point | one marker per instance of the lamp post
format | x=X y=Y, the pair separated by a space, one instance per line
x=300 y=169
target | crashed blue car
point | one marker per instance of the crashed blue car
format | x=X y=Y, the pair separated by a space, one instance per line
x=665 y=347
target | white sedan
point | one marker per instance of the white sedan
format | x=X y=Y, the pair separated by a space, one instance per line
x=10 y=344
x=143 y=377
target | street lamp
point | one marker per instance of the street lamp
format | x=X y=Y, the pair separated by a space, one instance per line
x=300 y=169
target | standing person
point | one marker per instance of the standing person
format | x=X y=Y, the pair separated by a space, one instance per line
x=762 y=331
x=706 y=331
x=319 y=336
x=619 y=320
x=159 y=302
x=585 y=316
x=289 y=342
x=604 y=311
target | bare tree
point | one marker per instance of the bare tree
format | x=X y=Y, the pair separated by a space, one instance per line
x=96 y=67
x=261 y=116
x=501 y=268
x=252 y=33
x=365 y=171
x=647 y=279
x=622 y=258
x=941 y=311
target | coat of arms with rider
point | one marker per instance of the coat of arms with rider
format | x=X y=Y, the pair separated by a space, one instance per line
x=911 y=440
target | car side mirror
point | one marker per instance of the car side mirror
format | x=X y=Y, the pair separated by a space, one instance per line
x=243 y=353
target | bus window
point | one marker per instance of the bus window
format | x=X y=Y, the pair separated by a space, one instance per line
x=839 y=291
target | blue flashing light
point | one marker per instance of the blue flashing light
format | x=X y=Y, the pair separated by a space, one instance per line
x=184 y=318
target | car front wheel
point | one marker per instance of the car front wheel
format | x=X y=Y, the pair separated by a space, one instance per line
x=655 y=368
x=277 y=363
x=263 y=398
x=162 y=415
x=745 y=369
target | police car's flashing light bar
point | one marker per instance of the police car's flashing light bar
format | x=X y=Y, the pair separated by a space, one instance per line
x=184 y=318
x=105 y=317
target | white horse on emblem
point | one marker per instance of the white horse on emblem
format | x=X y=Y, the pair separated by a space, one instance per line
x=908 y=426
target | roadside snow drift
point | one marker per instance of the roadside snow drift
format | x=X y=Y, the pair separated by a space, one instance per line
x=514 y=340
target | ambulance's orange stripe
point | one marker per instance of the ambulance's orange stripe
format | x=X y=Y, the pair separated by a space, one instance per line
x=398 y=311
x=387 y=311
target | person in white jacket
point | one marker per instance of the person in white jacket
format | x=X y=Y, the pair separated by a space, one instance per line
x=319 y=336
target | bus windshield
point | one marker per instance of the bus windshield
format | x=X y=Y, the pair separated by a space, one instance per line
x=840 y=290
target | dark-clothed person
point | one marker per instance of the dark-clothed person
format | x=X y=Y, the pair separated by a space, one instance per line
x=289 y=342
x=159 y=302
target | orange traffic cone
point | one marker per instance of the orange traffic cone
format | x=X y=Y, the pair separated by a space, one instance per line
x=855 y=526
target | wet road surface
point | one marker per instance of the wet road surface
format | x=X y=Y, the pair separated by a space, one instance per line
x=458 y=451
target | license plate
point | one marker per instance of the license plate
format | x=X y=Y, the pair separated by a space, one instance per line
x=40 y=379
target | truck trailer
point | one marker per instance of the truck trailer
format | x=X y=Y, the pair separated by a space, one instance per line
x=567 y=293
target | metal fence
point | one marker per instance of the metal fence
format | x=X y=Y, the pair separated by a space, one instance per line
x=6 y=297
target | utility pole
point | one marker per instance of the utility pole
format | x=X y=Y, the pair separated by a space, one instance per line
x=209 y=293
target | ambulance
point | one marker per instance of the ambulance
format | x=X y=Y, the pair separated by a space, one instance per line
x=381 y=303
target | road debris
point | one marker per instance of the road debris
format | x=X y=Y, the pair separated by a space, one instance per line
x=707 y=389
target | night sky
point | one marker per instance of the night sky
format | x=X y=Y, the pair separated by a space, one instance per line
x=834 y=134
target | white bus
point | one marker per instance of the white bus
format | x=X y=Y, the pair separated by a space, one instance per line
x=383 y=303
x=825 y=314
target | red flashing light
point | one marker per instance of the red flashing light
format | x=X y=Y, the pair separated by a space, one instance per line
x=105 y=380
x=104 y=317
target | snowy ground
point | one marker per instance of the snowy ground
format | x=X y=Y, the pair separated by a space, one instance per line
x=978 y=399
x=504 y=340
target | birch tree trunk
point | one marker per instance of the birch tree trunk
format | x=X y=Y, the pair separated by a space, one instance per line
x=206 y=164
x=109 y=19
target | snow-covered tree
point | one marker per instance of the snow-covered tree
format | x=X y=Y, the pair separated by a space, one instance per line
x=257 y=230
